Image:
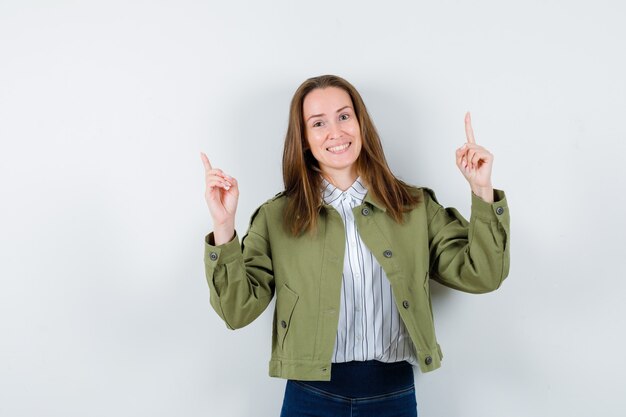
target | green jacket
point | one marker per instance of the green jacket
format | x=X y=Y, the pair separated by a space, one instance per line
x=306 y=272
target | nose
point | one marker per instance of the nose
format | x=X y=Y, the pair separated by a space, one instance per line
x=334 y=131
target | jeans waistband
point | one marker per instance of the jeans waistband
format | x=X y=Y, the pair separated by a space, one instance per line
x=366 y=378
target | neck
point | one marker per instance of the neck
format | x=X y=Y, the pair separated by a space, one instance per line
x=341 y=179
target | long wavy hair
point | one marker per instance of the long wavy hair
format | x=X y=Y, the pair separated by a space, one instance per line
x=302 y=174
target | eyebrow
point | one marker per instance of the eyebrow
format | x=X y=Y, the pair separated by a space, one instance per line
x=322 y=114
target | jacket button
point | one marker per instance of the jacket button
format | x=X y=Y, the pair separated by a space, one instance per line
x=405 y=304
x=365 y=211
x=428 y=360
x=283 y=324
x=500 y=210
x=387 y=253
x=213 y=256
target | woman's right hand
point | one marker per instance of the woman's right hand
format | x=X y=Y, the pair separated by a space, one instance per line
x=221 y=194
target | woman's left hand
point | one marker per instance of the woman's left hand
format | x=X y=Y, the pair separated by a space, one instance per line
x=475 y=163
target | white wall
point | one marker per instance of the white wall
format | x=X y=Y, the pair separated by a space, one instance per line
x=105 y=106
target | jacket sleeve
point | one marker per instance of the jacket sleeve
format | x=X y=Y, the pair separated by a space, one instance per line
x=240 y=277
x=469 y=256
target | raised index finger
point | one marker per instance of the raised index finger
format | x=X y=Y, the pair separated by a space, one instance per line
x=469 y=132
x=205 y=162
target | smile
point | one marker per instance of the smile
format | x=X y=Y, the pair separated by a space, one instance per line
x=339 y=148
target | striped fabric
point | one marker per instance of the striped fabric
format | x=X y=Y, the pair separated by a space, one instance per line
x=369 y=327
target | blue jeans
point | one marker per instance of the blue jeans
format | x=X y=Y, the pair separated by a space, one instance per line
x=362 y=389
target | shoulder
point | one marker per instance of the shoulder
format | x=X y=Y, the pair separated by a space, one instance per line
x=278 y=201
x=423 y=193
x=272 y=207
x=428 y=202
x=429 y=193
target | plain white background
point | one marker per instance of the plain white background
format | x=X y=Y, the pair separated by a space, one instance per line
x=105 y=106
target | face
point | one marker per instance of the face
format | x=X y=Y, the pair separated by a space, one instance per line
x=332 y=130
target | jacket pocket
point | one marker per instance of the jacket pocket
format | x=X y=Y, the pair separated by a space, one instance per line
x=286 y=301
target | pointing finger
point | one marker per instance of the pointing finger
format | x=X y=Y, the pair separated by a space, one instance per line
x=205 y=162
x=469 y=132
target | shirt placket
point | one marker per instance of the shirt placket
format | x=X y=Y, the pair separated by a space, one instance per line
x=348 y=203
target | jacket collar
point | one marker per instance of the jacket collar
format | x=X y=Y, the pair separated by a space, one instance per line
x=369 y=198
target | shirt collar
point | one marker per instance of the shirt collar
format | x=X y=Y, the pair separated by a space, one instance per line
x=331 y=194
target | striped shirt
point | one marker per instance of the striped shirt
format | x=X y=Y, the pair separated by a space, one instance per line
x=370 y=327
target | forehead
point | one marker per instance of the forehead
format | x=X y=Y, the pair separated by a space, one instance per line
x=325 y=100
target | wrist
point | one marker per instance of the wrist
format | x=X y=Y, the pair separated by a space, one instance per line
x=223 y=234
x=485 y=193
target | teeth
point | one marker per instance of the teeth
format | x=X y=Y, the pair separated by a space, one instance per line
x=339 y=148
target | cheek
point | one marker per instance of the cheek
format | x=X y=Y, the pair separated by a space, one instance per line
x=355 y=129
x=312 y=145
x=314 y=138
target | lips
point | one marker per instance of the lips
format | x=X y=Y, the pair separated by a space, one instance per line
x=339 y=148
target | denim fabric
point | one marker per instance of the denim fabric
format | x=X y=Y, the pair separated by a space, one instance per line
x=356 y=389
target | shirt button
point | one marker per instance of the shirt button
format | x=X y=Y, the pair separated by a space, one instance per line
x=500 y=210
x=213 y=256
x=428 y=360
x=283 y=324
x=387 y=253
x=365 y=211
x=405 y=304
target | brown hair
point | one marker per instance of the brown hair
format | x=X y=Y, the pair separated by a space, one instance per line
x=302 y=174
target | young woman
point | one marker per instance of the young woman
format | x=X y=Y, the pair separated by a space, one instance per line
x=349 y=249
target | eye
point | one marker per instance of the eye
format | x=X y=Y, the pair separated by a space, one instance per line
x=317 y=124
x=344 y=116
